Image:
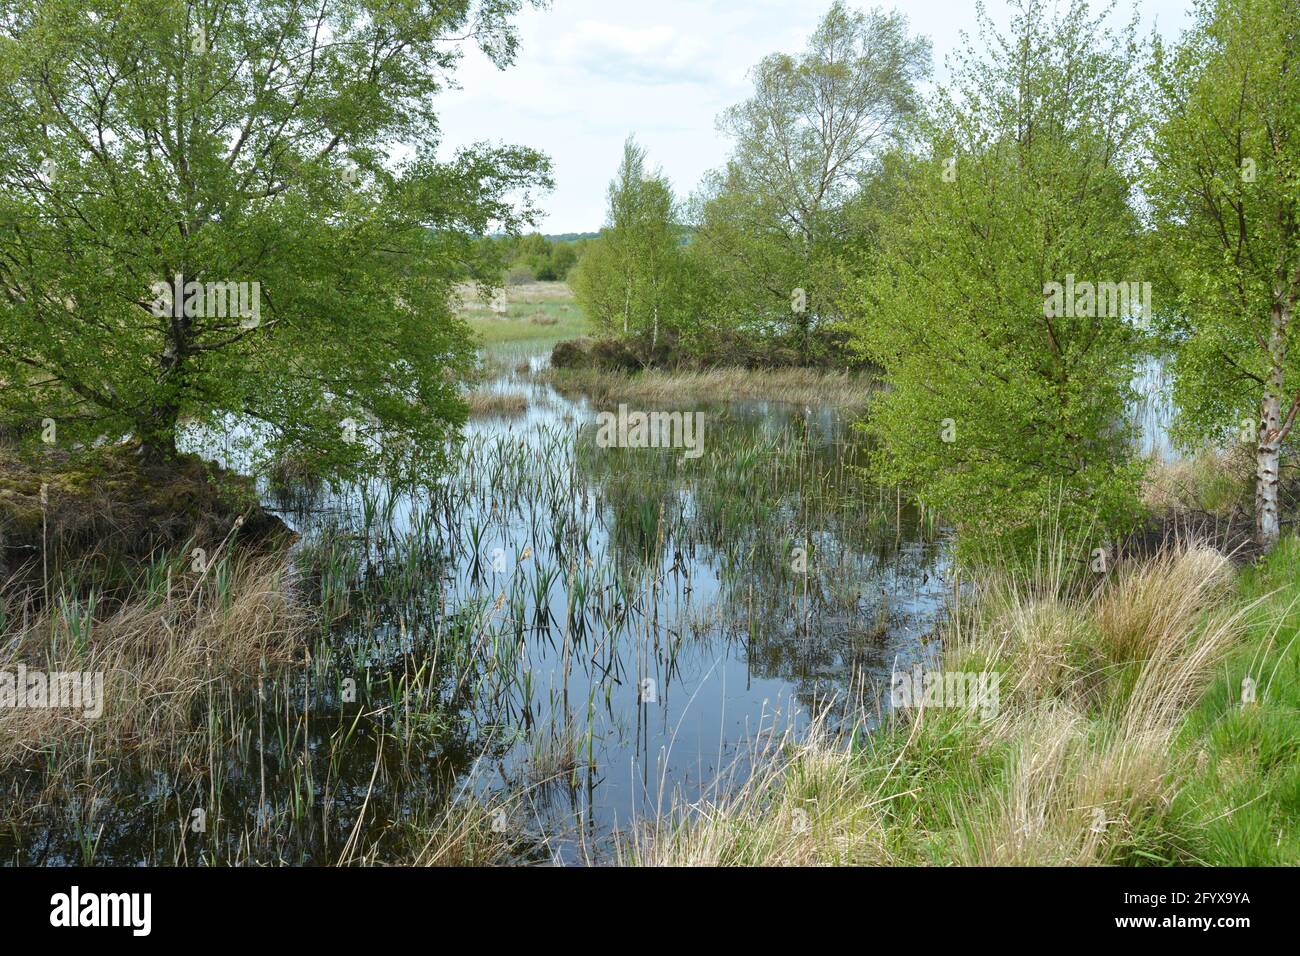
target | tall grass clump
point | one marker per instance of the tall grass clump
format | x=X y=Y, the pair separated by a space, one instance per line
x=224 y=737
x=170 y=652
x=806 y=802
x=160 y=652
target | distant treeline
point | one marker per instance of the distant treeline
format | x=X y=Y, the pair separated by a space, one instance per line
x=514 y=259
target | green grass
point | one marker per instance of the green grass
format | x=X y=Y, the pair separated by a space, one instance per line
x=1246 y=793
x=540 y=313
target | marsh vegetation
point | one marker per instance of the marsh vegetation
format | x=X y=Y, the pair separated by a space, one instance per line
x=578 y=637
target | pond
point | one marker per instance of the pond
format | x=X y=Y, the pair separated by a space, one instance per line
x=608 y=631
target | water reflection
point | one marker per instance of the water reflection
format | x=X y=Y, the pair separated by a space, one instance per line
x=635 y=619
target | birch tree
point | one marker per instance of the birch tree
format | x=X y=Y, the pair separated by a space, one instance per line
x=629 y=273
x=813 y=126
x=1224 y=184
x=1003 y=404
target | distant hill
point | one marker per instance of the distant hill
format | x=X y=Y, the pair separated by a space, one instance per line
x=557 y=237
x=571 y=236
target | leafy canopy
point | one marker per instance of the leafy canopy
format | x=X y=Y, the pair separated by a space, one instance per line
x=1224 y=186
x=272 y=142
x=772 y=221
x=630 y=280
x=997 y=411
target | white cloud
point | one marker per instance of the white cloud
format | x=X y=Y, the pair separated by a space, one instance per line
x=656 y=54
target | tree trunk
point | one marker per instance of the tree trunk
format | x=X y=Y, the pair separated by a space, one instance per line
x=158 y=437
x=155 y=452
x=1272 y=431
x=157 y=430
x=1268 y=456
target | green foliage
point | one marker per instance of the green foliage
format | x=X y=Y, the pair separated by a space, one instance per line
x=633 y=280
x=597 y=285
x=1224 y=185
x=564 y=257
x=1224 y=99
x=535 y=256
x=155 y=139
x=998 y=412
x=759 y=260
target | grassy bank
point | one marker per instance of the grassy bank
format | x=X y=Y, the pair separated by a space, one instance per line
x=536 y=312
x=1245 y=794
x=1121 y=737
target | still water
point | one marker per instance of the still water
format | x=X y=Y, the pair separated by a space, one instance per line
x=625 y=625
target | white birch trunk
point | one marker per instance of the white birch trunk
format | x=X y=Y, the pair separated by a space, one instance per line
x=1267 y=459
x=1272 y=431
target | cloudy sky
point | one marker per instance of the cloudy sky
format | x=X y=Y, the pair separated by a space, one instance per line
x=591 y=72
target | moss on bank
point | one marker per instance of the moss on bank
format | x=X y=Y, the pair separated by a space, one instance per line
x=107 y=501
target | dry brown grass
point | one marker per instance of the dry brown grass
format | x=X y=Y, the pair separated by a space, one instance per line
x=1211 y=481
x=805 y=805
x=178 y=663
x=1147 y=609
x=486 y=402
x=798 y=386
x=468 y=834
x=157 y=654
x=1101 y=684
